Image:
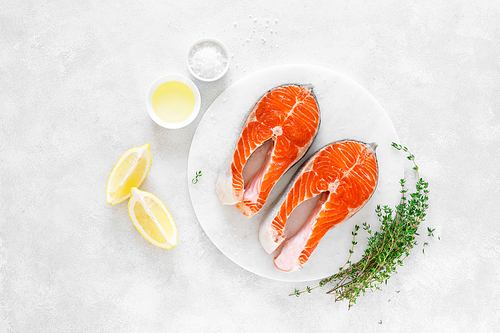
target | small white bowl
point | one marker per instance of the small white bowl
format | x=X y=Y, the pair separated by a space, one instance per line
x=215 y=41
x=169 y=78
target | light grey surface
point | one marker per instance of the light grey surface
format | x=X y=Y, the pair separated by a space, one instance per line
x=73 y=79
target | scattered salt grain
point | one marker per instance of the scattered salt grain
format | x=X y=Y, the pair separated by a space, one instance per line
x=207 y=60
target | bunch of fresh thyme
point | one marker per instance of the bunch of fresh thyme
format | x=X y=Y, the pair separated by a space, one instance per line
x=387 y=248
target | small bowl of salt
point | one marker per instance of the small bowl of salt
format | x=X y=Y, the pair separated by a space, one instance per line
x=208 y=59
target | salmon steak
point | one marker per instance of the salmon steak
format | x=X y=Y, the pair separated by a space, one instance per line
x=288 y=116
x=344 y=174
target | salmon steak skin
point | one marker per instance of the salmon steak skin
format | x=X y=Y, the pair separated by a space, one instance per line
x=287 y=115
x=344 y=174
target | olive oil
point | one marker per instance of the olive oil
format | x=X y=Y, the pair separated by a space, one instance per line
x=173 y=102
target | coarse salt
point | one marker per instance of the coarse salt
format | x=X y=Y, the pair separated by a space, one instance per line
x=208 y=60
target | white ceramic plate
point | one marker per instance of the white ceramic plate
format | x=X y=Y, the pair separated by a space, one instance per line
x=347 y=112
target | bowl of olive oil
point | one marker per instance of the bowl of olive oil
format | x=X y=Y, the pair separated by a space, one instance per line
x=173 y=101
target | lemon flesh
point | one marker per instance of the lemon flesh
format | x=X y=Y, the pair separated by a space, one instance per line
x=152 y=219
x=130 y=171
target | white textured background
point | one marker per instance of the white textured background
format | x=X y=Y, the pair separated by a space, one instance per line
x=73 y=78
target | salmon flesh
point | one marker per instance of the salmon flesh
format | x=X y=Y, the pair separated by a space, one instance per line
x=289 y=117
x=344 y=174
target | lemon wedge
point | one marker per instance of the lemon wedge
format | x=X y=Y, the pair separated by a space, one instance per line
x=130 y=171
x=152 y=219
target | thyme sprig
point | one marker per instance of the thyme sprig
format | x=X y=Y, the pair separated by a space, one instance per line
x=387 y=248
x=195 y=179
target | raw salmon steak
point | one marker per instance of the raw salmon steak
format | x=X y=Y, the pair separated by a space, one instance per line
x=288 y=116
x=344 y=175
